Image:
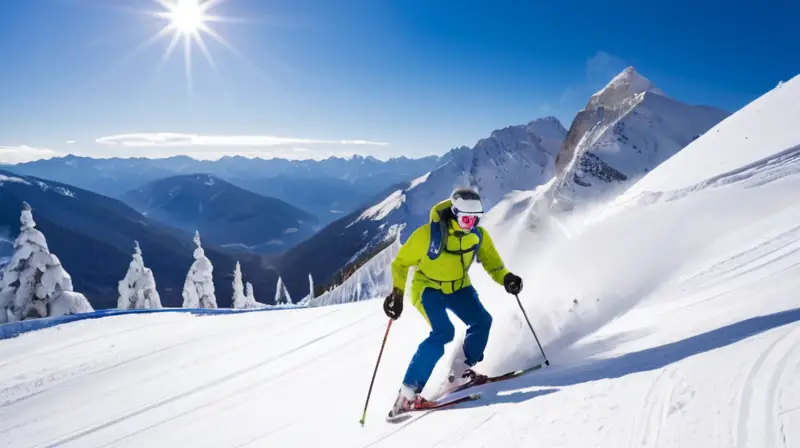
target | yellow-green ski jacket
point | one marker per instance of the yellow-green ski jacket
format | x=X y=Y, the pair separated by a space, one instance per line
x=448 y=271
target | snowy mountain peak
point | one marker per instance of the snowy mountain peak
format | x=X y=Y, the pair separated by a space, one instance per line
x=547 y=126
x=550 y=131
x=547 y=133
x=549 y=120
x=627 y=129
x=507 y=134
x=628 y=84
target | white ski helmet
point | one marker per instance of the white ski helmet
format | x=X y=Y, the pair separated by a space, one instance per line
x=466 y=201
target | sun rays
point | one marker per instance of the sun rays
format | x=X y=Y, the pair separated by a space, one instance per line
x=187 y=17
x=187 y=22
x=187 y=26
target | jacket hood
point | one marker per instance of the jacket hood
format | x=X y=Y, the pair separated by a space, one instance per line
x=438 y=208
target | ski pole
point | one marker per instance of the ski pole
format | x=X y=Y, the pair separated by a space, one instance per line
x=383 y=344
x=546 y=362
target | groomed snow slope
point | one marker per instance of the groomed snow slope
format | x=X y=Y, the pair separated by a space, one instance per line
x=684 y=333
x=750 y=135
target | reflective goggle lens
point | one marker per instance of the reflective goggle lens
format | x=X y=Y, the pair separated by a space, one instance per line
x=468 y=220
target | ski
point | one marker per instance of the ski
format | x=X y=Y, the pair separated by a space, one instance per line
x=492 y=379
x=431 y=406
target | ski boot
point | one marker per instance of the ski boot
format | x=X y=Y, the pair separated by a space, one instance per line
x=407 y=400
x=462 y=374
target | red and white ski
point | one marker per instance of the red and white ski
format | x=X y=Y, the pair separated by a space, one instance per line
x=491 y=379
x=430 y=406
x=444 y=402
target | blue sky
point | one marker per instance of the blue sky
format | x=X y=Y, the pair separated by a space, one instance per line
x=311 y=78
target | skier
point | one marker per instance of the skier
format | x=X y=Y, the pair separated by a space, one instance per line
x=442 y=252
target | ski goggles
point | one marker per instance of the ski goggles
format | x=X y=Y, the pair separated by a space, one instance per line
x=467 y=220
x=467 y=195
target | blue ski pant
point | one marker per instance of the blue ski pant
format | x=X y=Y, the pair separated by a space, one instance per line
x=466 y=305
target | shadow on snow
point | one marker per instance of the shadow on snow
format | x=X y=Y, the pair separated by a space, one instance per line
x=641 y=361
x=499 y=395
x=658 y=357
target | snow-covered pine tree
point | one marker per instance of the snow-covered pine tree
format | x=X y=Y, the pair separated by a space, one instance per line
x=305 y=301
x=198 y=289
x=239 y=298
x=278 y=290
x=242 y=300
x=34 y=283
x=251 y=297
x=282 y=294
x=137 y=291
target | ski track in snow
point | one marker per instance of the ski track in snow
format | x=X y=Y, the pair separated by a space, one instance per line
x=61 y=379
x=195 y=390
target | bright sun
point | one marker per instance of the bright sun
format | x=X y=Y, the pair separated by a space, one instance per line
x=187 y=22
x=187 y=16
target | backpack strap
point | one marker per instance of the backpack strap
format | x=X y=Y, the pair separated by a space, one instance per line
x=477 y=232
x=438 y=235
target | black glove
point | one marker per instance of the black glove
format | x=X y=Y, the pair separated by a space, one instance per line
x=512 y=283
x=393 y=305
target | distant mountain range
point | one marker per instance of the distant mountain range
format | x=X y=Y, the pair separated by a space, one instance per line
x=224 y=214
x=328 y=198
x=328 y=189
x=93 y=236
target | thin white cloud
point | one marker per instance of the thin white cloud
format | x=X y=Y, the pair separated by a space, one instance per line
x=214 y=154
x=70 y=142
x=25 y=153
x=362 y=142
x=600 y=68
x=165 y=139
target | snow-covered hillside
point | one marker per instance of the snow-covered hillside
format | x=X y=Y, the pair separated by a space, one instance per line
x=513 y=158
x=627 y=129
x=374 y=279
x=670 y=323
x=752 y=135
x=225 y=214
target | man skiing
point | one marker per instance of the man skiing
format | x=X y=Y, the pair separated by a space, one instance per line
x=442 y=252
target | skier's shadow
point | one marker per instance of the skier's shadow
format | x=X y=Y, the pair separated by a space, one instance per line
x=494 y=395
x=549 y=380
x=657 y=357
